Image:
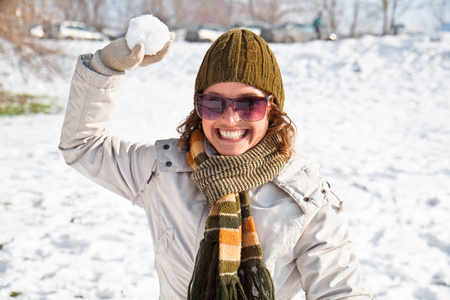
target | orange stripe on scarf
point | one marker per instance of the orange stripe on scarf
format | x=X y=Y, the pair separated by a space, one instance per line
x=230 y=237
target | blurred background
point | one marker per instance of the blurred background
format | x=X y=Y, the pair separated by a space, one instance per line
x=99 y=19
x=368 y=93
x=25 y=22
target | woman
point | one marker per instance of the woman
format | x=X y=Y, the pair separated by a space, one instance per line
x=233 y=211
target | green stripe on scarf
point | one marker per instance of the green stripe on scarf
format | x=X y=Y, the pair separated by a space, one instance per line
x=227 y=266
x=224 y=268
x=226 y=221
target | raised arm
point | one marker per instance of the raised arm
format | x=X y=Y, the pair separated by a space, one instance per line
x=86 y=143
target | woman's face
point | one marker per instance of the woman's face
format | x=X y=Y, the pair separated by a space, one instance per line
x=229 y=134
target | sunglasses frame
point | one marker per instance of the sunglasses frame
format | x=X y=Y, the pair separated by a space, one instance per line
x=230 y=104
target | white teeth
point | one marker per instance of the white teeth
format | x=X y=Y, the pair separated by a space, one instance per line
x=232 y=135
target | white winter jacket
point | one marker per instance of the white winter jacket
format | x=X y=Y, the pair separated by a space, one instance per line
x=301 y=229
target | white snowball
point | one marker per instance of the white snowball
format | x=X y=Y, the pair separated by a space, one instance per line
x=148 y=30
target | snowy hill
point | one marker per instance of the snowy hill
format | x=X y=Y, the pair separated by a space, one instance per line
x=372 y=111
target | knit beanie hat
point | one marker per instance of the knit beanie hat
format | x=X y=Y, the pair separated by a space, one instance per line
x=240 y=55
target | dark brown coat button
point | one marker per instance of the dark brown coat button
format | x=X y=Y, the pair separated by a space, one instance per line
x=168 y=163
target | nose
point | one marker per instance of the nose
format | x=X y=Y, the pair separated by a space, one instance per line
x=230 y=116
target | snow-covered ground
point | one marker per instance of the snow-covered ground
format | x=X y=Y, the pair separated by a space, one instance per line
x=374 y=112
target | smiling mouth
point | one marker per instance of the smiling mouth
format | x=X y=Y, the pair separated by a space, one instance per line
x=232 y=134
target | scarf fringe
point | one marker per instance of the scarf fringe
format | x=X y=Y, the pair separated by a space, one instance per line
x=252 y=282
x=205 y=284
x=230 y=289
x=256 y=280
x=204 y=280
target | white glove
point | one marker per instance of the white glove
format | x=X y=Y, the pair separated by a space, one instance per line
x=117 y=56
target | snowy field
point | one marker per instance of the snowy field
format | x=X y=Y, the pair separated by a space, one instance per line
x=374 y=112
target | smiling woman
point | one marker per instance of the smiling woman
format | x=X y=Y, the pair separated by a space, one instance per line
x=233 y=126
x=230 y=134
x=274 y=226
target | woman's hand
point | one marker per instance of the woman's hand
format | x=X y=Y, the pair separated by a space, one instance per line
x=117 y=56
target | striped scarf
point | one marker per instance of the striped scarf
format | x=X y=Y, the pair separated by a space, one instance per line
x=229 y=263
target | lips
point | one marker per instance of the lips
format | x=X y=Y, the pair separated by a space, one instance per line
x=232 y=134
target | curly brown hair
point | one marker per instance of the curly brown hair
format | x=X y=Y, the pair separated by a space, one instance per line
x=279 y=123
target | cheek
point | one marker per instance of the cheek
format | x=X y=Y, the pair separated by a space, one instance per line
x=260 y=129
x=207 y=126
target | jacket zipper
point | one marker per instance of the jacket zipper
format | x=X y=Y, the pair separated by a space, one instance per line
x=153 y=172
x=151 y=177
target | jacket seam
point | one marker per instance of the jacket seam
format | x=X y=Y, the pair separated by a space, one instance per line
x=159 y=206
x=86 y=103
x=286 y=245
x=96 y=174
x=304 y=222
x=81 y=128
x=203 y=222
x=291 y=195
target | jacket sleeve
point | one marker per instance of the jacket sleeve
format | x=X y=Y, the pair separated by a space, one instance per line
x=329 y=269
x=86 y=145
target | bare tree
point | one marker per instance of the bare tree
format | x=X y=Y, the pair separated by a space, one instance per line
x=153 y=7
x=88 y=11
x=393 y=10
x=172 y=12
x=330 y=8
x=272 y=11
x=384 y=11
x=354 y=18
x=96 y=17
x=210 y=11
x=15 y=19
x=181 y=14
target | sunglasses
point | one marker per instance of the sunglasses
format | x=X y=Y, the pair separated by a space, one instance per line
x=248 y=108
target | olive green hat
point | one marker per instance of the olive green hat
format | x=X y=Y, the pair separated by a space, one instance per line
x=240 y=55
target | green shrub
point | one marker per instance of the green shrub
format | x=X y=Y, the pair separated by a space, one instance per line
x=15 y=294
x=24 y=104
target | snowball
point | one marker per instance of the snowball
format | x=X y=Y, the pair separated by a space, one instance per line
x=148 y=30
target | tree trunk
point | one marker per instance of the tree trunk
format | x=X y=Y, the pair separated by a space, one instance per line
x=332 y=14
x=385 y=17
x=355 y=18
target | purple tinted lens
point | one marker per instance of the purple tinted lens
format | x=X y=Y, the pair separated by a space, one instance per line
x=249 y=109
x=210 y=109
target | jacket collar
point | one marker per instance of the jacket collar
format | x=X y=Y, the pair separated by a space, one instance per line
x=170 y=158
x=300 y=178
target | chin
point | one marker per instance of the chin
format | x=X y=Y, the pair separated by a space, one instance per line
x=228 y=151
